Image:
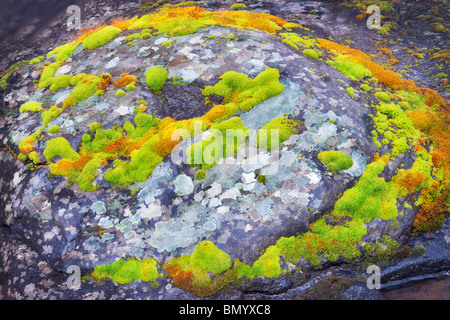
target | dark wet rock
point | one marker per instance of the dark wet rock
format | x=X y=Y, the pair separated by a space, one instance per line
x=50 y=225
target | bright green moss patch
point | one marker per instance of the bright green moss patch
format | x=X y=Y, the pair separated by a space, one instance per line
x=54 y=129
x=335 y=160
x=167 y=43
x=267 y=265
x=47 y=73
x=226 y=139
x=86 y=85
x=133 y=36
x=295 y=40
x=365 y=87
x=275 y=132
x=36 y=60
x=31 y=106
x=60 y=147
x=155 y=77
x=350 y=69
x=384 y=96
x=49 y=115
x=261 y=178
x=127 y=271
x=120 y=93
x=350 y=91
x=180 y=27
x=130 y=87
x=88 y=174
x=100 y=37
x=59 y=82
x=312 y=53
x=243 y=93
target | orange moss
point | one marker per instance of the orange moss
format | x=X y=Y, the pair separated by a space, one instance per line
x=386 y=51
x=124 y=80
x=216 y=113
x=27 y=145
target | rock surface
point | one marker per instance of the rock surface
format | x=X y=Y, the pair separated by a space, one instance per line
x=48 y=224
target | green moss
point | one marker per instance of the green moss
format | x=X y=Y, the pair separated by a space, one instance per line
x=312 y=53
x=60 y=147
x=133 y=37
x=350 y=91
x=365 y=87
x=100 y=37
x=350 y=69
x=63 y=52
x=335 y=160
x=54 y=129
x=94 y=126
x=209 y=258
x=295 y=40
x=282 y=127
x=266 y=265
x=180 y=27
x=47 y=73
x=418 y=251
x=200 y=174
x=155 y=77
x=127 y=271
x=120 y=93
x=384 y=96
x=130 y=87
x=227 y=137
x=49 y=115
x=238 y=6
x=86 y=85
x=59 y=82
x=88 y=174
x=261 y=178
x=37 y=60
x=31 y=106
x=13 y=68
x=231 y=36
x=242 y=93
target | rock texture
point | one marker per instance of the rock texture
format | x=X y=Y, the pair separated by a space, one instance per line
x=49 y=224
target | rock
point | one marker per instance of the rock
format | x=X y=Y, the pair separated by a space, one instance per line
x=247 y=204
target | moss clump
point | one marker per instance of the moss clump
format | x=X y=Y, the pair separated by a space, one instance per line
x=120 y=93
x=100 y=37
x=86 y=85
x=365 y=87
x=88 y=174
x=47 y=73
x=418 y=251
x=350 y=91
x=155 y=77
x=227 y=137
x=167 y=43
x=193 y=272
x=281 y=127
x=238 y=6
x=242 y=93
x=384 y=96
x=261 y=178
x=54 y=129
x=127 y=271
x=352 y=70
x=200 y=174
x=130 y=87
x=36 y=60
x=31 y=106
x=335 y=160
x=180 y=27
x=49 y=115
x=6 y=75
x=60 y=147
x=312 y=53
x=59 y=82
